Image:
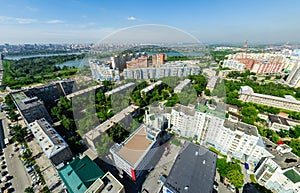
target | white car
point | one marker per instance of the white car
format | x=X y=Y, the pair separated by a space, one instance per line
x=4 y=179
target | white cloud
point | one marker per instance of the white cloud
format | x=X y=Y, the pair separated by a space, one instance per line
x=15 y=20
x=32 y=9
x=25 y=20
x=131 y=18
x=55 y=21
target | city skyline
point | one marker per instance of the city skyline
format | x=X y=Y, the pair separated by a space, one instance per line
x=76 y=21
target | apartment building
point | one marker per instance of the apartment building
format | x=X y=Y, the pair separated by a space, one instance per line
x=237 y=139
x=187 y=121
x=31 y=109
x=158 y=59
x=233 y=64
x=280 y=172
x=257 y=62
x=248 y=95
x=171 y=69
x=121 y=89
x=181 y=85
x=52 y=144
x=103 y=72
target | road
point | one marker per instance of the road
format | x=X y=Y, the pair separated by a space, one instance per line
x=20 y=179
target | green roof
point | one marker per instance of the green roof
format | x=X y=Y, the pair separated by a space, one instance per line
x=80 y=174
x=292 y=175
x=217 y=112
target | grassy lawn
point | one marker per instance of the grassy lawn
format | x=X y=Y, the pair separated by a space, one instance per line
x=176 y=142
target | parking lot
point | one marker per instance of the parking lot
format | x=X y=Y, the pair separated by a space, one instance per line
x=49 y=172
x=17 y=178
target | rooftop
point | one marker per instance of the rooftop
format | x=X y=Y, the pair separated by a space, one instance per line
x=217 y=112
x=80 y=174
x=293 y=175
x=249 y=91
x=188 y=110
x=25 y=102
x=278 y=119
x=135 y=146
x=118 y=89
x=180 y=86
x=240 y=126
x=101 y=185
x=284 y=160
x=193 y=171
x=49 y=140
x=151 y=87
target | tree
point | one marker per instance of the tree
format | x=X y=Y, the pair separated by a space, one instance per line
x=29 y=190
x=249 y=114
x=103 y=145
x=295 y=132
x=231 y=171
x=19 y=133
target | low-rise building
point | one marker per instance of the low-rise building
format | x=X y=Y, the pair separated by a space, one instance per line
x=277 y=123
x=80 y=174
x=280 y=172
x=106 y=184
x=52 y=144
x=193 y=171
x=30 y=108
x=248 y=95
x=134 y=154
x=120 y=89
x=180 y=86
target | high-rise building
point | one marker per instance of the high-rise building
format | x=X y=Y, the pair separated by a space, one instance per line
x=158 y=59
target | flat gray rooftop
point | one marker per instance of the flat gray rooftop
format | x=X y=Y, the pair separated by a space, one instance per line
x=240 y=126
x=284 y=160
x=193 y=171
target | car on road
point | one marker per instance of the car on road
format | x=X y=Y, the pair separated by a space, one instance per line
x=3 y=173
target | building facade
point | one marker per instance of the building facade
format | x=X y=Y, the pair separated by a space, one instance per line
x=52 y=144
x=248 y=95
x=134 y=154
x=31 y=109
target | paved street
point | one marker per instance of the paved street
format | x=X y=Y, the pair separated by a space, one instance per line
x=49 y=172
x=20 y=179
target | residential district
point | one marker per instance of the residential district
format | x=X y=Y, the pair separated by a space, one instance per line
x=236 y=131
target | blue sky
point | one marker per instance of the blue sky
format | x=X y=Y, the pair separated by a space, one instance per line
x=210 y=21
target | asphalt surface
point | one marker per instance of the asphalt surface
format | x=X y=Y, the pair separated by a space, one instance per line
x=16 y=171
x=2 y=145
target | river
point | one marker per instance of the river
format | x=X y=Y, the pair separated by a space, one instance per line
x=18 y=57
